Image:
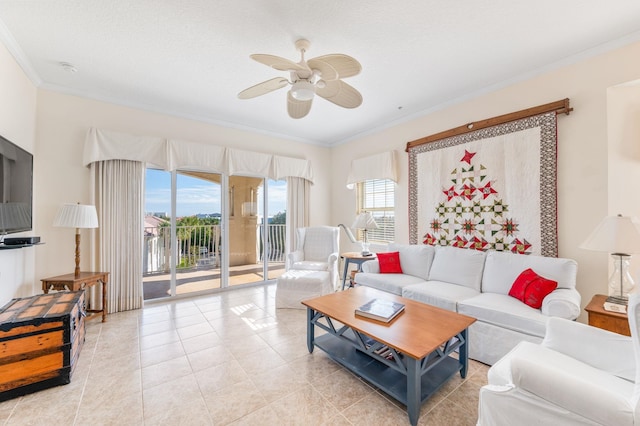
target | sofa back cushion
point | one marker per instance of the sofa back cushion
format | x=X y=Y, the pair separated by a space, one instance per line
x=502 y=268
x=458 y=266
x=415 y=259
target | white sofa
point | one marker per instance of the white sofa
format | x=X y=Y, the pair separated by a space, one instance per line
x=477 y=283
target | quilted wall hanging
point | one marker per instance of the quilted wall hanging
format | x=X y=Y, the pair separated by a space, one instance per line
x=494 y=188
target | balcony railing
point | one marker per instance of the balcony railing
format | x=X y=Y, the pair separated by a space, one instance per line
x=202 y=246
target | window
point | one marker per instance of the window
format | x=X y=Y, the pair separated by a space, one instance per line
x=377 y=196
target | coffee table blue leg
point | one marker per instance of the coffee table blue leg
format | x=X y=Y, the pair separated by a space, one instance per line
x=464 y=353
x=346 y=269
x=413 y=390
x=310 y=329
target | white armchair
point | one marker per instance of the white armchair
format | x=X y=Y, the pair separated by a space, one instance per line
x=317 y=250
x=578 y=375
x=312 y=270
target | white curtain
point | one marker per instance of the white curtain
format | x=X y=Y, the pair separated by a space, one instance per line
x=378 y=166
x=173 y=154
x=297 y=210
x=118 y=193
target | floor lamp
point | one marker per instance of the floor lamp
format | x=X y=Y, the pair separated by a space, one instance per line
x=77 y=216
x=347 y=231
x=620 y=236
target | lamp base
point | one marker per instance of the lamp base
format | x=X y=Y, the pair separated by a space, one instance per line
x=618 y=300
x=365 y=249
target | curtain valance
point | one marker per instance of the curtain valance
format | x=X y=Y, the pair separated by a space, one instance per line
x=172 y=154
x=378 y=166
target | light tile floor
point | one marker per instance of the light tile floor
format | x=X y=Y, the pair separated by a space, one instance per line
x=229 y=358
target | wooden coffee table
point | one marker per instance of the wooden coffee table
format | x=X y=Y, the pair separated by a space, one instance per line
x=409 y=358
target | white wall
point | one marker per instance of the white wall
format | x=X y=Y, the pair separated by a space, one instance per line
x=584 y=186
x=17 y=124
x=63 y=121
x=623 y=120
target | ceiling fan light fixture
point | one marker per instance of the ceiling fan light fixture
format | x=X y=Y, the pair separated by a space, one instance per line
x=303 y=90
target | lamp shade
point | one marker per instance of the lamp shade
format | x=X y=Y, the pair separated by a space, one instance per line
x=615 y=234
x=76 y=216
x=365 y=221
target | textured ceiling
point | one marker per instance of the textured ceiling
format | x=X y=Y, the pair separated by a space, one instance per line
x=191 y=57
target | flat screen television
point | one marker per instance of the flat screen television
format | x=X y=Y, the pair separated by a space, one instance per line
x=16 y=188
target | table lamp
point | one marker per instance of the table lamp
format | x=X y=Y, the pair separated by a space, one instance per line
x=620 y=236
x=77 y=216
x=365 y=222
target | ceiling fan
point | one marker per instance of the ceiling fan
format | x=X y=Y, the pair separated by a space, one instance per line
x=320 y=76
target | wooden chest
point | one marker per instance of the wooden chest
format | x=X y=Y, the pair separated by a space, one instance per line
x=40 y=341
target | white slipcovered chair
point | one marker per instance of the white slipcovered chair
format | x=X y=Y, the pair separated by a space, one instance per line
x=312 y=269
x=578 y=375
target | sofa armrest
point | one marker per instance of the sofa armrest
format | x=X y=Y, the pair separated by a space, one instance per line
x=614 y=352
x=371 y=266
x=563 y=303
x=574 y=386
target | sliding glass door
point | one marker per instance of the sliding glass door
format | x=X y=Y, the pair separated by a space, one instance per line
x=206 y=231
x=257 y=222
x=272 y=201
x=183 y=232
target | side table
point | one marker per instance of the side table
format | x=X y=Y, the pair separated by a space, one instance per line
x=71 y=282
x=612 y=321
x=355 y=258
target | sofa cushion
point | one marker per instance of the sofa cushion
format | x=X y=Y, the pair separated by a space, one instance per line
x=458 y=266
x=416 y=259
x=502 y=268
x=438 y=293
x=391 y=283
x=504 y=311
x=390 y=263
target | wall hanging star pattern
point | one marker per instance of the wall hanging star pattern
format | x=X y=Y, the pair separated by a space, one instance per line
x=472 y=213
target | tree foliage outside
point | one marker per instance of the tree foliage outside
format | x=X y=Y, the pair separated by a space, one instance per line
x=195 y=237
x=279 y=218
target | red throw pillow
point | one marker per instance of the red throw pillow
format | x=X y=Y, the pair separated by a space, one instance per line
x=520 y=284
x=389 y=263
x=531 y=289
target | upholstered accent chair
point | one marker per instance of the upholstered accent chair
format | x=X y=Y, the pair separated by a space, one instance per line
x=312 y=269
x=317 y=250
x=578 y=375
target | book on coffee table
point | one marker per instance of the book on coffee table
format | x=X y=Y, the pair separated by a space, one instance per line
x=380 y=309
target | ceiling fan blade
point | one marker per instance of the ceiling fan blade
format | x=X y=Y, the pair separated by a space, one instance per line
x=344 y=65
x=276 y=62
x=340 y=93
x=327 y=72
x=296 y=108
x=263 y=88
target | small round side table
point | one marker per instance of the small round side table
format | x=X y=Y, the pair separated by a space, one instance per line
x=356 y=258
